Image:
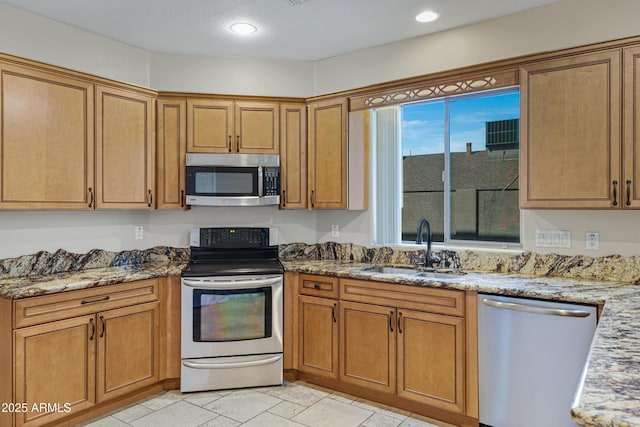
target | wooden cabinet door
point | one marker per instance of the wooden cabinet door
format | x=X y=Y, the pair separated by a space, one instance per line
x=257 y=126
x=368 y=346
x=293 y=156
x=125 y=148
x=55 y=363
x=128 y=349
x=631 y=130
x=318 y=328
x=210 y=125
x=171 y=151
x=431 y=357
x=47 y=140
x=328 y=154
x=570 y=132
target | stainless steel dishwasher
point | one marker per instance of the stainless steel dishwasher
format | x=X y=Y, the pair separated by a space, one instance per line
x=531 y=355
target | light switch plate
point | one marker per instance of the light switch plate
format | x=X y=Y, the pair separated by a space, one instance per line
x=553 y=239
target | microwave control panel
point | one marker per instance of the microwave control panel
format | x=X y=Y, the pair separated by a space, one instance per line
x=271 y=181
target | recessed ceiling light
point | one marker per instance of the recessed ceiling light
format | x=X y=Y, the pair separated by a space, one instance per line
x=243 y=28
x=426 y=16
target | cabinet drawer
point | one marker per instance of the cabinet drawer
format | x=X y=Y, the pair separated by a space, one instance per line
x=48 y=308
x=319 y=286
x=442 y=301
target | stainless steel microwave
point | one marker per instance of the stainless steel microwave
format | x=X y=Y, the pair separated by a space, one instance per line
x=233 y=179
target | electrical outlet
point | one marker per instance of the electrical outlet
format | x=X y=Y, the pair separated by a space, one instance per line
x=139 y=232
x=335 y=231
x=592 y=240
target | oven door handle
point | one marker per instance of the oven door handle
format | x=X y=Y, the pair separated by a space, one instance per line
x=196 y=365
x=225 y=284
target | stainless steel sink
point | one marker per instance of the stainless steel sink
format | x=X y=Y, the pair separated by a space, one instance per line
x=392 y=270
x=438 y=275
x=414 y=272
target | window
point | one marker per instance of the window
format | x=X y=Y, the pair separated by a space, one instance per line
x=453 y=161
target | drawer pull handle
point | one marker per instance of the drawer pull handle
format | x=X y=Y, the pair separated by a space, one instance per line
x=93 y=329
x=104 y=326
x=399 y=319
x=391 y=321
x=93 y=301
x=316 y=285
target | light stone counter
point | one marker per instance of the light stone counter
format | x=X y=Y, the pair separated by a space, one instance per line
x=609 y=395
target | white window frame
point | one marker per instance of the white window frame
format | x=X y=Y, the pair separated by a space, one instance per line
x=384 y=206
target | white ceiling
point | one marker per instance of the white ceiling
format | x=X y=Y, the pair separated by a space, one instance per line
x=287 y=29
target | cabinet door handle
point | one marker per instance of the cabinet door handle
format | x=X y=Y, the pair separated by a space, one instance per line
x=229 y=143
x=90 y=197
x=237 y=143
x=93 y=301
x=615 y=193
x=104 y=326
x=399 y=319
x=182 y=198
x=93 y=329
x=312 y=198
x=628 y=192
x=333 y=312
x=284 y=198
x=150 y=198
x=391 y=321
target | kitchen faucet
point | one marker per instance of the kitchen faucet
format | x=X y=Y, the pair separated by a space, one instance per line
x=419 y=241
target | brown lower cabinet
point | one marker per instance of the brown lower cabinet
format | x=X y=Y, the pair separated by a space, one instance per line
x=407 y=346
x=82 y=350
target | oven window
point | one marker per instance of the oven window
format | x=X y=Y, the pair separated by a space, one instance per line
x=231 y=315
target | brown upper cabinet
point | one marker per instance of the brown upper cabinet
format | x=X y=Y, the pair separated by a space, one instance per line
x=570 y=132
x=171 y=148
x=327 y=150
x=630 y=182
x=232 y=126
x=47 y=140
x=293 y=156
x=125 y=149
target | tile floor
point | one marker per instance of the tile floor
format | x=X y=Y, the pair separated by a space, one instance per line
x=295 y=404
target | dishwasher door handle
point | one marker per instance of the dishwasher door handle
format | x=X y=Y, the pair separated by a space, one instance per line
x=535 y=309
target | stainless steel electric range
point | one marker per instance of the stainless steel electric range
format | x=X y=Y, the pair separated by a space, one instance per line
x=232 y=310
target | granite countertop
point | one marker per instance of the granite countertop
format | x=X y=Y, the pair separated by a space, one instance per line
x=548 y=288
x=28 y=286
x=610 y=389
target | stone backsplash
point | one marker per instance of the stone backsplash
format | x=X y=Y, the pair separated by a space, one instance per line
x=61 y=261
x=609 y=268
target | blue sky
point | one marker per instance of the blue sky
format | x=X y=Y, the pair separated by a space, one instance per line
x=423 y=123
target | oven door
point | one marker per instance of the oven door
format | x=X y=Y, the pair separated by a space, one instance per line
x=231 y=316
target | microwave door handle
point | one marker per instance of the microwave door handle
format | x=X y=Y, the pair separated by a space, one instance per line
x=215 y=284
x=260 y=182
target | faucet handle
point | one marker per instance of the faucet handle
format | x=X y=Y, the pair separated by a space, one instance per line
x=435 y=259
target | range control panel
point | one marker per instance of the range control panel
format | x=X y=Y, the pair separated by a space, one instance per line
x=230 y=237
